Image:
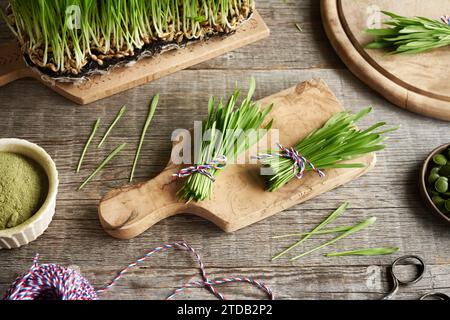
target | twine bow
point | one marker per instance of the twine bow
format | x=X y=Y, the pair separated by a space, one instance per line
x=300 y=162
x=446 y=19
x=217 y=164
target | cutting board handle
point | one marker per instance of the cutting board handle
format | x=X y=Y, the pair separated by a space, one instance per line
x=127 y=212
x=12 y=65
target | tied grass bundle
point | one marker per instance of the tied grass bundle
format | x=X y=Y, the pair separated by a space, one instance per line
x=325 y=148
x=232 y=131
x=410 y=35
x=112 y=30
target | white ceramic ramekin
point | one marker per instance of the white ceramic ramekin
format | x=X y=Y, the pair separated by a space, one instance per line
x=31 y=229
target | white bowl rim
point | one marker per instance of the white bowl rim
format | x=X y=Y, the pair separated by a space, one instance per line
x=53 y=183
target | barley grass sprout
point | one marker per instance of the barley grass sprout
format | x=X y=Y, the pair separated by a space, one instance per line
x=338 y=140
x=151 y=113
x=333 y=216
x=88 y=143
x=102 y=165
x=364 y=252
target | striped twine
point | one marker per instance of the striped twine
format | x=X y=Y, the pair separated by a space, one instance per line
x=217 y=164
x=55 y=282
x=300 y=162
x=446 y=19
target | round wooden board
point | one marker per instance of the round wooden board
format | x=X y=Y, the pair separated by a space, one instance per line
x=417 y=82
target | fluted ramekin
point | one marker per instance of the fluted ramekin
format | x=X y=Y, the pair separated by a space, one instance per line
x=35 y=226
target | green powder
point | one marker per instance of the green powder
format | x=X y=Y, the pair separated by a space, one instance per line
x=23 y=189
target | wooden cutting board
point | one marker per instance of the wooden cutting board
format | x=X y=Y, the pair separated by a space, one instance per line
x=13 y=67
x=239 y=198
x=417 y=82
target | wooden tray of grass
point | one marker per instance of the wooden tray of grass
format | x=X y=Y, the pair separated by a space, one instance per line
x=239 y=197
x=416 y=81
x=13 y=66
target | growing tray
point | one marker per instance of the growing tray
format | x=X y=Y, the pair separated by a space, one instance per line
x=416 y=82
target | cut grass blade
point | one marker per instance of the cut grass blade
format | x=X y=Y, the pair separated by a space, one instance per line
x=335 y=214
x=113 y=29
x=410 y=35
x=234 y=129
x=151 y=112
x=102 y=165
x=88 y=142
x=360 y=226
x=119 y=115
x=364 y=252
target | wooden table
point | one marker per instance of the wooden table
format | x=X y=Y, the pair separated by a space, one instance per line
x=29 y=110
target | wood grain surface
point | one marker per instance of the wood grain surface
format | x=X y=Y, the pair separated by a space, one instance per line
x=31 y=111
x=417 y=82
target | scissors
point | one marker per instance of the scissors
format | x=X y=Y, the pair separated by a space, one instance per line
x=409 y=260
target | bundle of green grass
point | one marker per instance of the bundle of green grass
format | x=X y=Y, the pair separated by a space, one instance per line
x=72 y=37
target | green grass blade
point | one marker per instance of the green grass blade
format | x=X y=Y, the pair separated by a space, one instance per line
x=113 y=124
x=338 y=140
x=410 y=35
x=102 y=165
x=236 y=121
x=326 y=231
x=150 y=115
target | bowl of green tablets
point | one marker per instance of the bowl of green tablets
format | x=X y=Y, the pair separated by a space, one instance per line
x=435 y=181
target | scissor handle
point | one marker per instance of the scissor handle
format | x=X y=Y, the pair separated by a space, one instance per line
x=436 y=295
x=395 y=279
